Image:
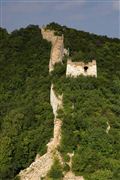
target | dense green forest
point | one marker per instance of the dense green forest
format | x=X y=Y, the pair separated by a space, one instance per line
x=90 y=104
x=25 y=113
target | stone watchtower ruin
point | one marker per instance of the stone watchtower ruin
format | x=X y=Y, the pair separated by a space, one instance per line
x=80 y=68
x=57 y=53
x=42 y=164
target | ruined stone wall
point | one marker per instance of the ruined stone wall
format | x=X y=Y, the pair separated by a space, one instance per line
x=38 y=169
x=80 y=68
x=57 y=51
x=55 y=101
x=41 y=166
x=48 y=35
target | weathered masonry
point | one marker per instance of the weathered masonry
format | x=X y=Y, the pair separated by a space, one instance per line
x=80 y=68
x=42 y=164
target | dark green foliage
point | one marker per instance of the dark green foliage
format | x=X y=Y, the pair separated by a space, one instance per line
x=25 y=113
x=100 y=175
x=87 y=109
x=66 y=167
x=56 y=27
x=56 y=170
x=90 y=103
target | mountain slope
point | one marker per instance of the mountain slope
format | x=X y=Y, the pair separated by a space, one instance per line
x=91 y=110
x=26 y=115
x=91 y=107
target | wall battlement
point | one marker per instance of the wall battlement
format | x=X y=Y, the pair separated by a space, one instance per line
x=80 y=68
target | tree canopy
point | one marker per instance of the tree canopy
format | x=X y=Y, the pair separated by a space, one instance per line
x=89 y=104
x=25 y=113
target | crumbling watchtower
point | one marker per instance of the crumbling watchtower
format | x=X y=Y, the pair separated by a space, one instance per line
x=80 y=68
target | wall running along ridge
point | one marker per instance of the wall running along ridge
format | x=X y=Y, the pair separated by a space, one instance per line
x=41 y=166
x=57 y=51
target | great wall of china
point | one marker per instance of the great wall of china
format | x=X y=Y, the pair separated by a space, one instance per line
x=41 y=166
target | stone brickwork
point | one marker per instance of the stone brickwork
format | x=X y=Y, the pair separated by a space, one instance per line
x=71 y=176
x=38 y=169
x=57 y=51
x=55 y=101
x=48 y=35
x=80 y=68
x=55 y=141
x=41 y=166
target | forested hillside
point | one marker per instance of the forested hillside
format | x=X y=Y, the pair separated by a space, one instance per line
x=90 y=105
x=25 y=113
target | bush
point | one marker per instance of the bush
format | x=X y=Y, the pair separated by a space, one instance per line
x=56 y=170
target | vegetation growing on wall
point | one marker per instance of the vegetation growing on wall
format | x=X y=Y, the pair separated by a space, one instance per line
x=25 y=113
x=56 y=171
x=90 y=105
